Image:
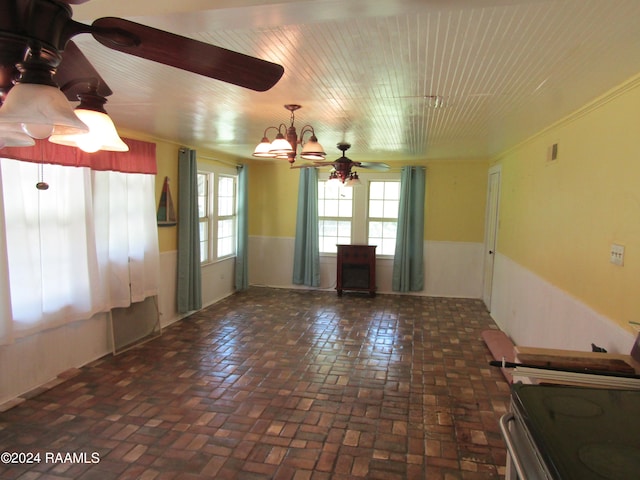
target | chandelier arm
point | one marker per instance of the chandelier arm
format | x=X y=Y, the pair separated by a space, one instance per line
x=306 y=129
x=269 y=128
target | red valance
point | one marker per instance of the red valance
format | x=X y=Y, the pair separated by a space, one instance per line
x=141 y=157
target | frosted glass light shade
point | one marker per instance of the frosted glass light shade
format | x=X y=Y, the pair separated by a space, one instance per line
x=263 y=149
x=39 y=110
x=353 y=180
x=15 y=139
x=312 y=150
x=102 y=134
x=280 y=145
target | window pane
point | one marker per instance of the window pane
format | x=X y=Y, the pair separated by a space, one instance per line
x=376 y=190
x=344 y=230
x=390 y=229
x=387 y=247
x=334 y=202
x=333 y=232
x=226 y=238
x=204 y=230
x=225 y=187
x=392 y=190
x=225 y=247
x=383 y=234
x=203 y=197
x=327 y=227
x=226 y=196
x=204 y=241
x=376 y=208
x=330 y=208
x=345 y=208
x=383 y=204
x=204 y=254
x=202 y=183
x=225 y=206
x=375 y=230
x=390 y=209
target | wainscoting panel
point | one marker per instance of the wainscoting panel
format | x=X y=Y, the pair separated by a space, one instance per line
x=452 y=269
x=535 y=313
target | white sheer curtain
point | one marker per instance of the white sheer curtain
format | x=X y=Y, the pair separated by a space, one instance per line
x=126 y=235
x=85 y=245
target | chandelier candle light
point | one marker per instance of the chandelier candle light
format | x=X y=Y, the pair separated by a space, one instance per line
x=286 y=142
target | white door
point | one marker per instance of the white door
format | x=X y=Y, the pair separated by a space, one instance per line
x=491 y=233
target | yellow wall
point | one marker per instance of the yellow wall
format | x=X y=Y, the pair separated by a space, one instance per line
x=273 y=198
x=559 y=219
x=167 y=160
x=455 y=200
x=454 y=211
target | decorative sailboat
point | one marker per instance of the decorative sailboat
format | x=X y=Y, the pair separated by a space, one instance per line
x=166 y=213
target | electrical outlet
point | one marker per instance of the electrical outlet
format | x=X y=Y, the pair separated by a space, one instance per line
x=616 y=255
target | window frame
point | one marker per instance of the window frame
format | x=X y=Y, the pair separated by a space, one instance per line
x=213 y=173
x=382 y=219
x=330 y=218
x=360 y=208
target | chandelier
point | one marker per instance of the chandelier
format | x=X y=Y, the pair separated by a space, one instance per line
x=286 y=141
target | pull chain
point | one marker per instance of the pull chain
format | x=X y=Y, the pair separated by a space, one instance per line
x=41 y=185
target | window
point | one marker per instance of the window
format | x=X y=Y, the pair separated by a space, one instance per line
x=384 y=199
x=226 y=216
x=335 y=212
x=367 y=213
x=217 y=209
x=203 y=215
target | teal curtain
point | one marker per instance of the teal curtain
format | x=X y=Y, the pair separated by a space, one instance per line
x=242 y=252
x=306 y=254
x=408 y=261
x=189 y=283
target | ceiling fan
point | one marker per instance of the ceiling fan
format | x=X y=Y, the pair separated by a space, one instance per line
x=342 y=167
x=36 y=34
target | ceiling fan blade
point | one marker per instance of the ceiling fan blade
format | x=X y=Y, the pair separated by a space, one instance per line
x=75 y=73
x=322 y=164
x=186 y=54
x=306 y=165
x=374 y=165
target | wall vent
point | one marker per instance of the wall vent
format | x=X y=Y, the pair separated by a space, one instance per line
x=552 y=153
x=135 y=324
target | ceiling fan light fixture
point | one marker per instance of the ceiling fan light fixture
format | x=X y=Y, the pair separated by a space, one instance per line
x=15 y=139
x=102 y=134
x=333 y=177
x=353 y=180
x=39 y=111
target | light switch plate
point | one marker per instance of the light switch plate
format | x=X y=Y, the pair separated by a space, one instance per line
x=617 y=254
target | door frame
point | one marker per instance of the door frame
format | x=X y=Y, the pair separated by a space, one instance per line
x=492 y=221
